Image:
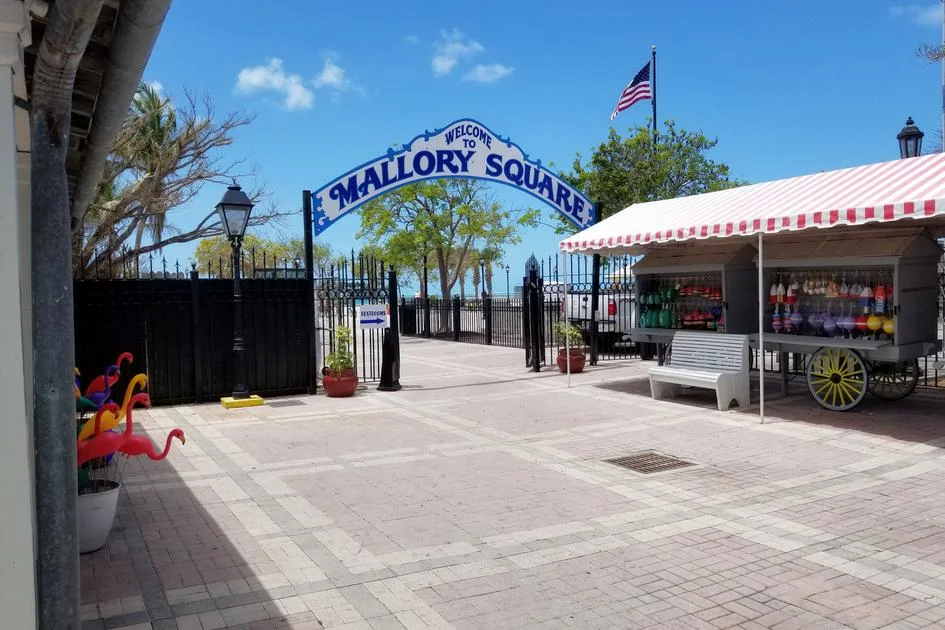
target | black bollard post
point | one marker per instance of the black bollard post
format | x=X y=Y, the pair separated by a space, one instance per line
x=390 y=353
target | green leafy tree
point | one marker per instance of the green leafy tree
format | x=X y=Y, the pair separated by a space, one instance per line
x=623 y=171
x=210 y=252
x=446 y=220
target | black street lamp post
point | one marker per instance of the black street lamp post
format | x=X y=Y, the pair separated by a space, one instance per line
x=910 y=140
x=508 y=286
x=234 y=210
x=482 y=276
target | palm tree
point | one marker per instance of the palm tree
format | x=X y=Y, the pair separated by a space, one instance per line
x=150 y=143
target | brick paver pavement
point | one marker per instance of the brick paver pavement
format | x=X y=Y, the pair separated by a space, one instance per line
x=477 y=498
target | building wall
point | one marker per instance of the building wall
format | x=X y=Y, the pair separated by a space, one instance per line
x=17 y=535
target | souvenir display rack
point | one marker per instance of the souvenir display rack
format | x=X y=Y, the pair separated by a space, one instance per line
x=856 y=303
x=711 y=288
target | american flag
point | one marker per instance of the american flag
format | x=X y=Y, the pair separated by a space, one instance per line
x=636 y=90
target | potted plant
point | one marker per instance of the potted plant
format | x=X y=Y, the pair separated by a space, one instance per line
x=570 y=336
x=339 y=376
x=97 y=503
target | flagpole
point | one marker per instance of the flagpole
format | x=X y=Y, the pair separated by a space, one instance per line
x=653 y=89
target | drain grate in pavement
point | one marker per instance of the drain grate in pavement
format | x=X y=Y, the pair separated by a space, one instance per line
x=286 y=403
x=647 y=462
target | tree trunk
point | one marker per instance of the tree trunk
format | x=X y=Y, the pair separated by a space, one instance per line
x=67 y=33
x=462 y=286
x=446 y=321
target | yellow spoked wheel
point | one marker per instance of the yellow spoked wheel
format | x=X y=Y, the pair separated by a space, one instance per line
x=893 y=381
x=837 y=378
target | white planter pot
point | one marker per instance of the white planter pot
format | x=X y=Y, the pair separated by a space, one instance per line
x=96 y=515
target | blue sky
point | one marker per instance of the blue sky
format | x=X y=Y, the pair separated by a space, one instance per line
x=788 y=87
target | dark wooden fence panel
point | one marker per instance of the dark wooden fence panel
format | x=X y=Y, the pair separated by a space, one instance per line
x=181 y=334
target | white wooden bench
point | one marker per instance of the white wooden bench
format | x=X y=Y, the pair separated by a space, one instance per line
x=706 y=360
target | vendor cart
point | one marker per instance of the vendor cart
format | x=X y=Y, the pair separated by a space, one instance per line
x=871 y=229
x=858 y=310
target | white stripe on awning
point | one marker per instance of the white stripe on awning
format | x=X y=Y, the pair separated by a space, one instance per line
x=884 y=192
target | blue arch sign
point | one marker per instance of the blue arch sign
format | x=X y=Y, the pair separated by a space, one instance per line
x=463 y=149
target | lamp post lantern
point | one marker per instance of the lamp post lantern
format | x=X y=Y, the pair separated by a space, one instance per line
x=910 y=140
x=508 y=286
x=234 y=210
x=482 y=275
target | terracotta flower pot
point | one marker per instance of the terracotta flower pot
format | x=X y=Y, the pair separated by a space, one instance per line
x=341 y=385
x=576 y=359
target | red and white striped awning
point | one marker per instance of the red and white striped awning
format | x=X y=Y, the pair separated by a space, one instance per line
x=911 y=188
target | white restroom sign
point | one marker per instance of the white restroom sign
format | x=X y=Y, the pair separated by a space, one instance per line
x=372 y=316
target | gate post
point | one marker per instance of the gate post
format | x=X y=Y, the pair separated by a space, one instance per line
x=195 y=323
x=487 y=316
x=540 y=309
x=526 y=331
x=595 y=290
x=310 y=290
x=457 y=318
x=390 y=357
x=535 y=323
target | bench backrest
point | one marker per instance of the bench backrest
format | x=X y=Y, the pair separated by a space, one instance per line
x=710 y=351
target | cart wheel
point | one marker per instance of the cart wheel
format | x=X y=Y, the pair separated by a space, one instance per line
x=893 y=381
x=837 y=378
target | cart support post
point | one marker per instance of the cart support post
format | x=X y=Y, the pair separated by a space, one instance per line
x=761 y=327
x=567 y=338
x=595 y=291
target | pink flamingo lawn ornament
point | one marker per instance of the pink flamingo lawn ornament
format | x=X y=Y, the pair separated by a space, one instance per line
x=107 y=421
x=99 y=389
x=103 y=444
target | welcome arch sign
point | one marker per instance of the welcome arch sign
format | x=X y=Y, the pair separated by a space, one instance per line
x=462 y=149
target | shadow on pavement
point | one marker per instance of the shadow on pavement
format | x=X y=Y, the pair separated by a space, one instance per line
x=189 y=549
x=918 y=418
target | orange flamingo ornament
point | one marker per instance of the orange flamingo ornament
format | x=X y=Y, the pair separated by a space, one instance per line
x=105 y=422
x=104 y=444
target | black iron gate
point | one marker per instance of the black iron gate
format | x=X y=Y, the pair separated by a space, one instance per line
x=341 y=289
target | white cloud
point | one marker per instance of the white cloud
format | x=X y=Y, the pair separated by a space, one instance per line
x=273 y=78
x=411 y=39
x=488 y=73
x=923 y=15
x=157 y=86
x=452 y=47
x=332 y=76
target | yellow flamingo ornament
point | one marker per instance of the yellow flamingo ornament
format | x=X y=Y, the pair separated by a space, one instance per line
x=110 y=420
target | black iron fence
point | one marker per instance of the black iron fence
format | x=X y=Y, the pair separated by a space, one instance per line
x=179 y=327
x=494 y=321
